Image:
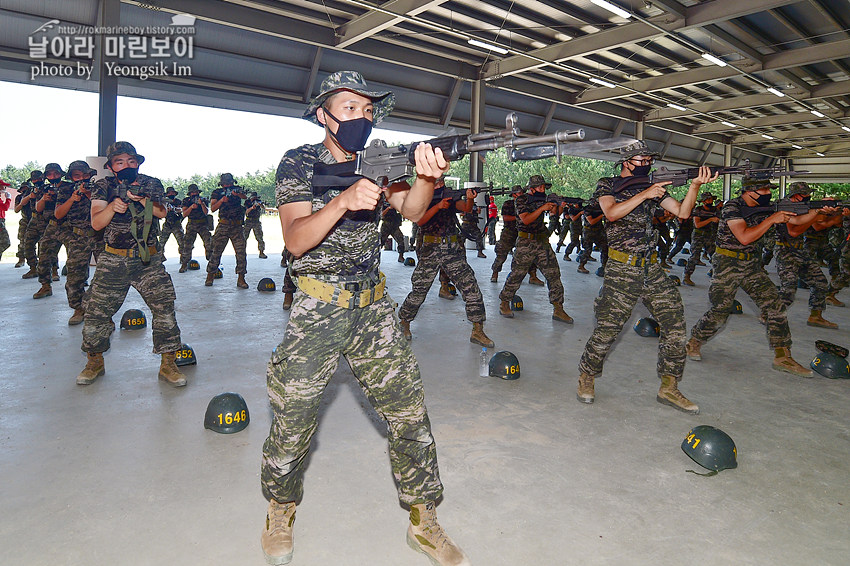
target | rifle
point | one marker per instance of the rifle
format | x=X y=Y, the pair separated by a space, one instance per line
x=542 y=198
x=701 y=212
x=786 y=205
x=498 y=192
x=386 y=165
x=679 y=177
x=446 y=192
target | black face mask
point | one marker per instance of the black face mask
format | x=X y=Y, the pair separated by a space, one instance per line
x=127 y=175
x=38 y=182
x=641 y=170
x=56 y=180
x=763 y=200
x=351 y=135
x=806 y=198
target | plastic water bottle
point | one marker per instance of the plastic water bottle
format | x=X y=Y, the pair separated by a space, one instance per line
x=484 y=363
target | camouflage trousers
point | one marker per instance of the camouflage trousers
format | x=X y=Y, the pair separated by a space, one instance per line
x=563 y=231
x=450 y=257
x=507 y=241
x=195 y=228
x=112 y=279
x=48 y=252
x=575 y=241
x=590 y=238
x=730 y=274
x=171 y=229
x=388 y=231
x=371 y=341
x=471 y=232
x=5 y=242
x=22 y=234
x=534 y=252
x=622 y=287
x=257 y=228
x=792 y=264
x=700 y=242
x=224 y=232
x=682 y=238
x=842 y=278
x=80 y=245
x=35 y=228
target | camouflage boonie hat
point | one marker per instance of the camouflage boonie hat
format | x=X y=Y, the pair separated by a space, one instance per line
x=382 y=101
x=751 y=184
x=517 y=189
x=225 y=178
x=78 y=165
x=170 y=190
x=635 y=149
x=799 y=188
x=120 y=147
x=705 y=196
x=191 y=188
x=53 y=167
x=36 y=175
x=536 y=181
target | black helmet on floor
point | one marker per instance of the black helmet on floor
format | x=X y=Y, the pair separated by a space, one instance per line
x=736 y=307
x=193 y=264
x=675 y=279
x=648 y=328
x=266 y=284
x=227 y=413
x=218 y=274
x=516 y=303
x=831 y=366
x=185 y=356
x=681 y=262
x=409 y=261
x=686 y=251
x=711 y=448
x=505 y=365
x=133 y=319
x=600 y=271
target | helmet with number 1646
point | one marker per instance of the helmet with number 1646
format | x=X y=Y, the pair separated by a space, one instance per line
x=227 y=413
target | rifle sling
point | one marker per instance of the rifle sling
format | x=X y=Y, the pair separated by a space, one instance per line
x=142 y=219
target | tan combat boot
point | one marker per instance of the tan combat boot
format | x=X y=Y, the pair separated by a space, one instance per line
x=505 y=309
x=582 y=268
x=183 y=268
x=784 y=362
x=240 y=281
x=277 y=540
x=669 y=394
x=77 y=317
x=481 y=254
x=815 y=319
x=20 y=263
x=169 y=372
x=445 y=293
x=495 y=277
x=31 y=274
x=54 y=273
x=533 y=279
x=833 y=300
x=687 y=280
x=94 y=369
x=585 y=392
x=263 y=255
x=209 y=280
x=560 y=314
x=692 y=349
x=478 y=336
x=45 y=291
x=405 y=329
x=425 y=535
x=287 y=301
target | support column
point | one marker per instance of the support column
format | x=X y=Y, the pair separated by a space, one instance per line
x=783 y=180
x=640 y=125
x=110 y=16
x=476 y=125
x=727 y=179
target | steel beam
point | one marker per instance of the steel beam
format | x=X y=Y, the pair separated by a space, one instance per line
x=375 y=21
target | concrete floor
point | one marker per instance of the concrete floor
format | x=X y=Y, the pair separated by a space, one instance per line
x=123 y=472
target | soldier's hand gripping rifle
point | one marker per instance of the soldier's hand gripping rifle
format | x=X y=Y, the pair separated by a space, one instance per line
x=704 y=214
x=787 y=205
x=680 y=177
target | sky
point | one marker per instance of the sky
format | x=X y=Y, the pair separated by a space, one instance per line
x=178 y=140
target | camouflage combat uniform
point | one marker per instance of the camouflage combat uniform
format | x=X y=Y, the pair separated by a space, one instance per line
x=254 y=223
x=120 y=267
x=533 y=248
x=173 y=224
x=703 y=239
x=196 y=226
x=26 y=214
x=441 y=248
x=683 y=236
x=391 y=227
x=49 y=243
x=737 y=265
x=469 y=228
x=593 y=234
x=37 y=226
x=231 y=215
x=508 y=237
x=80 y=242
x=795 y=261
x=576 y=230
x=817 y=242
x=633 y=273
x=842 y=278
x=369 y=338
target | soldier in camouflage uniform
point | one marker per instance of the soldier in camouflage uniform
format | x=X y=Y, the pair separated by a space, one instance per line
x=574 y=214
x=228 y=201
x=794 y=260
x=470 y=231
x=74 y=209
x=533 y=247
x=704 y=234
x=173 y=223
x=842 y=278
x=48 y=243
x=593 y=233
x=24 y=206
x=735 y=264
x=27 y=240
x=195 y=209
x=441 y=248
x=634 y=273
x=683 y=236
x=341 y=308
x=123 y=207
x=391 y=228
x=508 y=238
x=254 y=209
